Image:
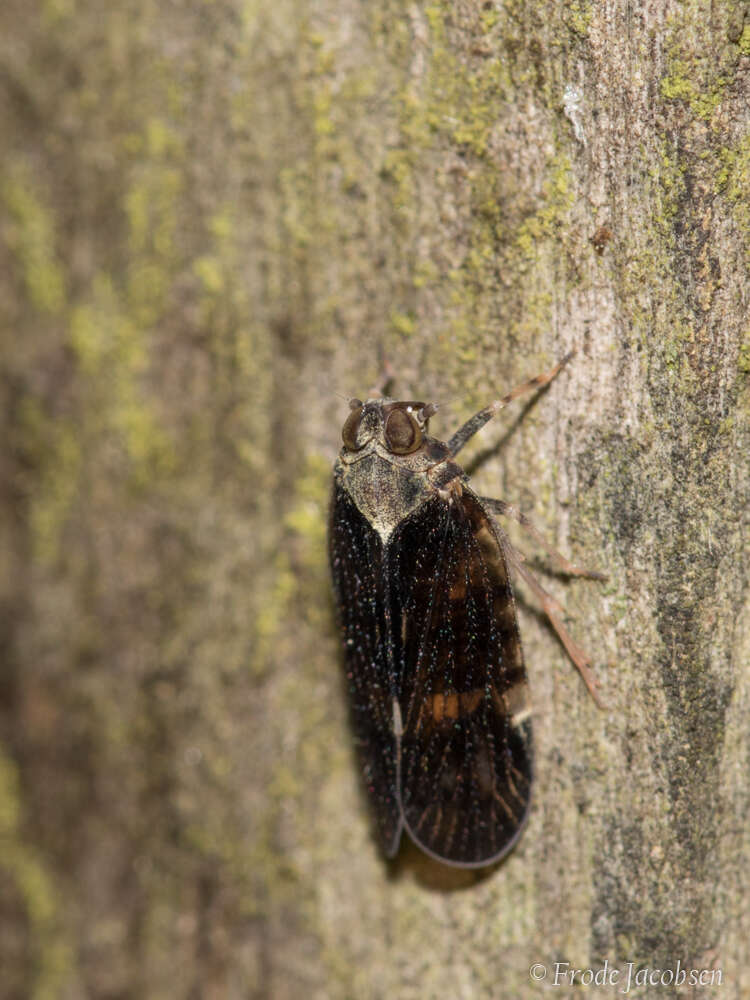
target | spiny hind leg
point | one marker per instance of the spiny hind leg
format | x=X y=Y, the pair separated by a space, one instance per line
x=504 y=509
x=553 y=609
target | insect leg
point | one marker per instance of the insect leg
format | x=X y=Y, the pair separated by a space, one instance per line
x=385 y=378
x=469 y=429
x=552 y=608
x=508 y=510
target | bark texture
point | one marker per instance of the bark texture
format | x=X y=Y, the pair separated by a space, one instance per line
x=217 y=219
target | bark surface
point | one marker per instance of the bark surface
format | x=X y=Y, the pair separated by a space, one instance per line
x=217 y=220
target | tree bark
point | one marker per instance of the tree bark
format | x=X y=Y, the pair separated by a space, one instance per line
x=218 y=219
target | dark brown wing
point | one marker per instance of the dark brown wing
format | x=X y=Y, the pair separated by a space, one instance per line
x=465 y=754
x=356 y=555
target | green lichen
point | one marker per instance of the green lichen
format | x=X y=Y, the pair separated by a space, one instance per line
x=734 y=181
x=674 y=346
x=35 y=888
x=426 y=272
x=457 y=104
x=152 y=207
x=577 y=16
x=55 y=11
x=272 y=612
x=743 y=359
x=680 y=84
x=10 y=808
x=402 y=323
x=667 y=190
x=32 y=239
x=677 y=85
x=435 y=14
x=208 y=269
x=56 y=447
x=113 y=350
x=699 y=70
x=557 y=200
x=294 y=185
x=457 y=100
x=322 y=122
x=307 y=518
x=489 y=19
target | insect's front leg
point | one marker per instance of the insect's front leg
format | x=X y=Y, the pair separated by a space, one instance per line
x=386 y=377
x=504 y=509
x=477 y=422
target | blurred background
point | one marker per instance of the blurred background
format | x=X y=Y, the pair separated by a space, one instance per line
x=219 y=219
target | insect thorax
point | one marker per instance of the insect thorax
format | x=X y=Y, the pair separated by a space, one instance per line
x=385 y=491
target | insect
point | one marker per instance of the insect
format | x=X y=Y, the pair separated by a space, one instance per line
x=437 y=684
x=600 y=239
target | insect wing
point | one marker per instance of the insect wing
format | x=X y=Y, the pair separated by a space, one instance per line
x=465 y=755
x=356 y=555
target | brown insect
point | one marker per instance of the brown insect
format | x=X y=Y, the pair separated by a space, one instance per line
x=601 y=238
x=438 y=691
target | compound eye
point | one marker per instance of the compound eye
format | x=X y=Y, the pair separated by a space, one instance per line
x=350 y=428
x=402 y=432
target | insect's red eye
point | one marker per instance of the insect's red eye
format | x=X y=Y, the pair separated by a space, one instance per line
x=350 y=428
x=402 y=432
